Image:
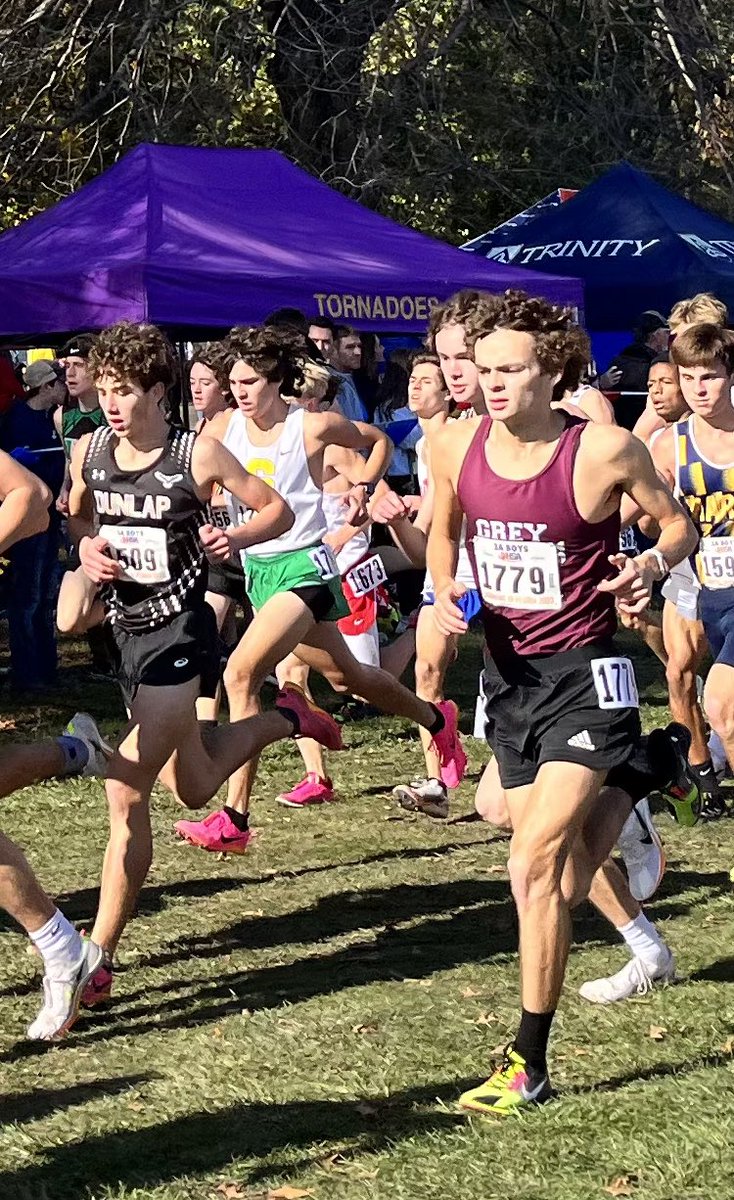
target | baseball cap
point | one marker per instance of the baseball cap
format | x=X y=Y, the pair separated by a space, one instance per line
x=78 y=347
x=38 y=373
x=650 y=321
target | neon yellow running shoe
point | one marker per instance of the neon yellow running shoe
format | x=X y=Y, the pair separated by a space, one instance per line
x=508 y=1089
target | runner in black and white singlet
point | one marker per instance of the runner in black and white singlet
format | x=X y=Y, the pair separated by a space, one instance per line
x=293 y=580
x=541 y=493
x=143 y=486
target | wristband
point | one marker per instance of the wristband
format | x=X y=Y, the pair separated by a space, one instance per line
x=368 y=487
x=661 y=565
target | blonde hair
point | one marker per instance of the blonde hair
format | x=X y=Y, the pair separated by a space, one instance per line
x=702 y=309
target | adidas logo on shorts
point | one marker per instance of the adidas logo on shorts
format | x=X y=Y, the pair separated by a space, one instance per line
x=581 y=741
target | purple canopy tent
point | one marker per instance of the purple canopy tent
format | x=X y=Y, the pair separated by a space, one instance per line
x=198 y=240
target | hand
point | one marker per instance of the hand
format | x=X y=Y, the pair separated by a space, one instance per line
x=610 y=378
x=216 y=543
x=389 y=508
x=632 y=587
x=355 y=502
x=62 y=502
x=97 y=565
x=446 y=612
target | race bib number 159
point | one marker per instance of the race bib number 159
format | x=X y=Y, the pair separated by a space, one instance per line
x=518 y=574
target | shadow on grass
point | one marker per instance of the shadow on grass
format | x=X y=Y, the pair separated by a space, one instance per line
x=204 y=1142
x=31 y=1106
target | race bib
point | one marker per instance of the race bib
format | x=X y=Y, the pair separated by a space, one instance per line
x=219 y=517
x=716 y=562
x=518 y=574
x=614 y=680
x=628 y=541
x=141 y=552
x=324 y=561
x=367 y=576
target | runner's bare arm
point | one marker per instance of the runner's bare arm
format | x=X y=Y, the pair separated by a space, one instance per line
x=635 y=474
x=25 y=500
x=212 y=463
x=447 y=456
x=596 y=407
x=80 y=500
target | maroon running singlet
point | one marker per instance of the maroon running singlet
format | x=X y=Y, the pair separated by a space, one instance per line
x=536 y=560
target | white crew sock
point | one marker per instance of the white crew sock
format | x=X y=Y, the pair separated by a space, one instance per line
x=643 y=940
x=59 y=944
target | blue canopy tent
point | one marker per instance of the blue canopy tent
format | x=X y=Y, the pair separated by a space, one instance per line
x=635 y=244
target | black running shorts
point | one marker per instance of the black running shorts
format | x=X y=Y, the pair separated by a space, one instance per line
x=186 y=646
x=580 y=706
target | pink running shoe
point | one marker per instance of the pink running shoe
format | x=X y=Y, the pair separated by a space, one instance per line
x=99 y=988
x=310 y=721
x=311 y=790
x=217 y=832
x=447 y=744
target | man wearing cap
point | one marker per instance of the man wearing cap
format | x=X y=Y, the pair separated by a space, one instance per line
x=28 y=434
x=82 y=414
x=627 y=373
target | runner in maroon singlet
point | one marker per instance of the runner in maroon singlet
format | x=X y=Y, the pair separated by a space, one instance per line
x=540 y=493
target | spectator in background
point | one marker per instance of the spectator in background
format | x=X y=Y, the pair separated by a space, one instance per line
x=367 y=376
x=392 y=406
x=337 y=345
x=627 y=373
x=322 y=333
x=29 y=435
x=11 y=389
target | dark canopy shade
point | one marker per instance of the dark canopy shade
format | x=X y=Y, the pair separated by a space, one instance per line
x=198 y=239
x=635 y=245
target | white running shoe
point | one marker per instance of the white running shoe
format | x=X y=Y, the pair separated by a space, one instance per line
x=61 y=997
x=84 y=727
x=635 y=979
x=640 y=846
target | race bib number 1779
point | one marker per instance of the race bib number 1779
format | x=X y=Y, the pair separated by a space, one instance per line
x=518 y=574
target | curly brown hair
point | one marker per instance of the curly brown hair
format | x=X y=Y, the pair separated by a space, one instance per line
x=455 y=311
x=136 y=353
x=213 y=356
x=704 y=346
x=276 y=353
x=558 y=339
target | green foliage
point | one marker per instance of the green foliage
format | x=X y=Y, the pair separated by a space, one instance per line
x=447 y=114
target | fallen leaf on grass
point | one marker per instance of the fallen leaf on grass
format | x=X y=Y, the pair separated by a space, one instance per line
x=623 y=1185
x=364 y=1029
x=497 y=869
x=728 y=1047
x=489 y=1018
x=230 y=1191
x=289 y=1193
x=469 y=992
x=136 y=1106
x=657 y=1032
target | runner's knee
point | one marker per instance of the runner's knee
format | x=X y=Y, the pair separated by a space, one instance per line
x=428 y=680
x=535 y=869
x=720 y=712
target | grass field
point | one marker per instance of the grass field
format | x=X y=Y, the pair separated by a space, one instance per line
x=300 y=1021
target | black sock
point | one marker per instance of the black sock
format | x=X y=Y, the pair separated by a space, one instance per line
x=438 y=722
x=240 y=820
x=532 y=1039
